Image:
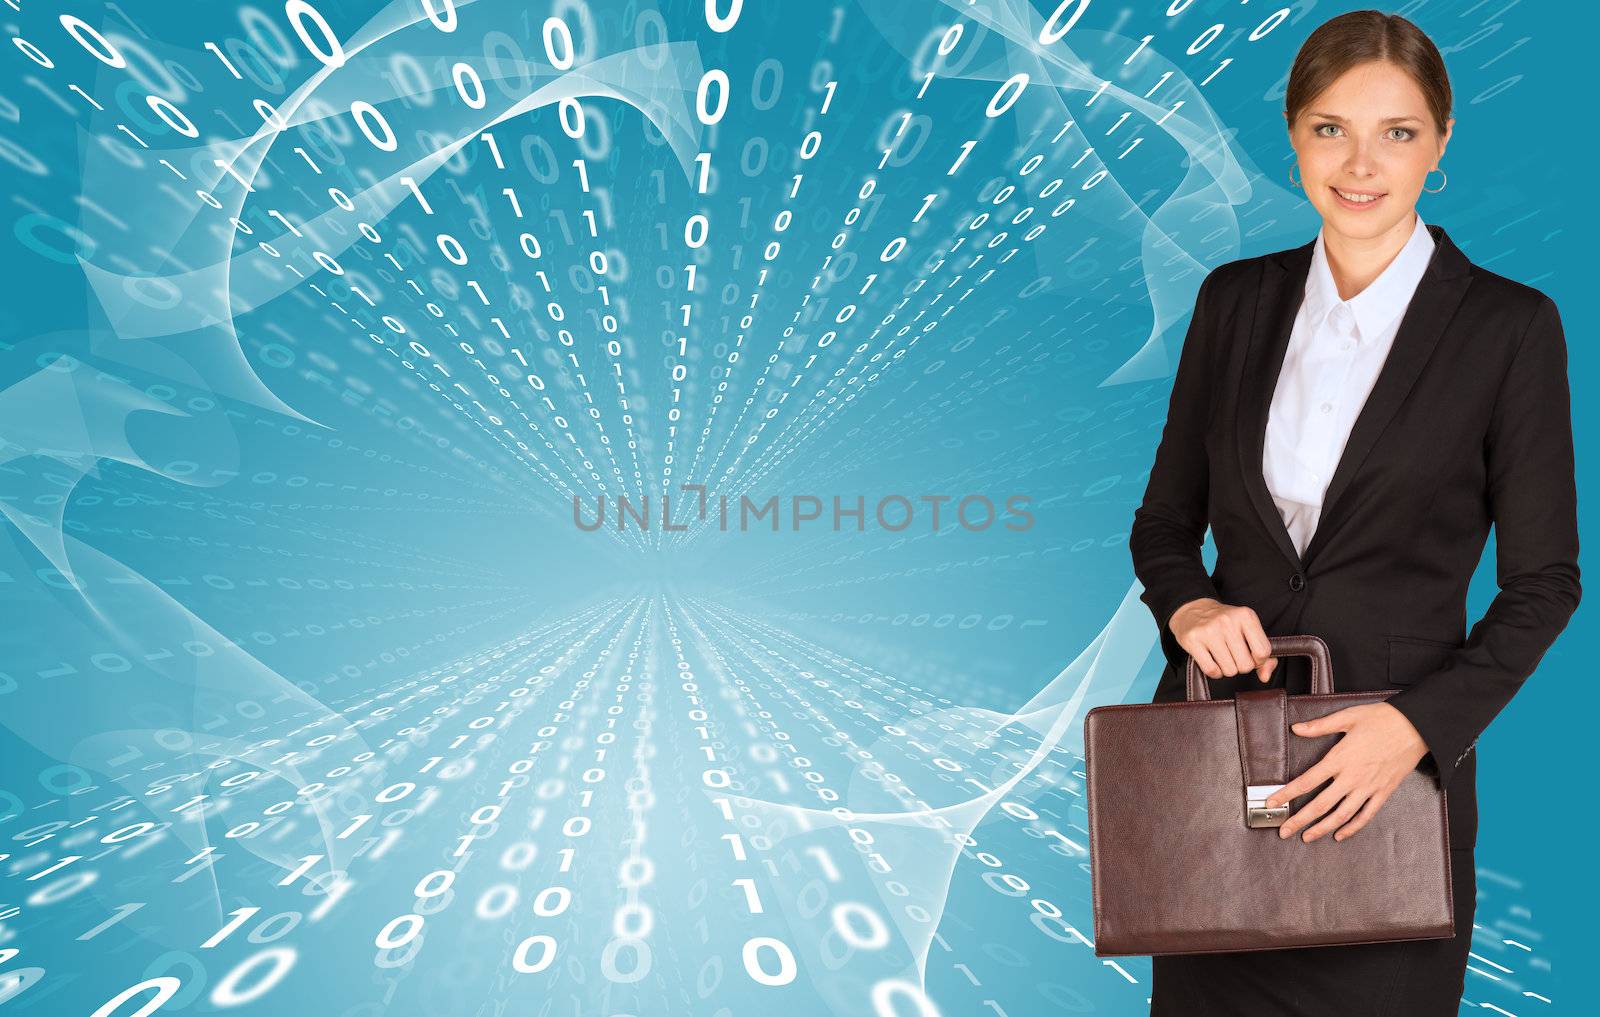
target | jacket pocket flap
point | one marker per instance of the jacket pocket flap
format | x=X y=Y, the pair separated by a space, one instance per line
x=1412 y=657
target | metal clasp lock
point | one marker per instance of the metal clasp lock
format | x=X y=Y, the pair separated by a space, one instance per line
x=1256 y=813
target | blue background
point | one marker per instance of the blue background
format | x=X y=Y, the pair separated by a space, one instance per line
x=260 y=548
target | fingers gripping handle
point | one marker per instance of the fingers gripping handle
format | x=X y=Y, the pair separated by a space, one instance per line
x=1282 y=646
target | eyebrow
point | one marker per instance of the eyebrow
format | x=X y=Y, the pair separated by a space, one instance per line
x=1387 y=120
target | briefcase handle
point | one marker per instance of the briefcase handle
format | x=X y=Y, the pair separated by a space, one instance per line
x=1282 y=646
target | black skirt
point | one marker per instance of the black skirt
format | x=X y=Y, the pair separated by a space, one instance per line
x=1414 y=978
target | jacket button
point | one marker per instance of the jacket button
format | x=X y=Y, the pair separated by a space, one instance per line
x=1297 y=582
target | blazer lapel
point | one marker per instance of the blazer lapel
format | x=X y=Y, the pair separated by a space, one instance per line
x=1438 y=293
x=1278 y=300
x=1434 y=303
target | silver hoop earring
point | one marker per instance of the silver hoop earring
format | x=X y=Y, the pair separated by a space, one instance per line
x=1435 y=190
x=1292 y=181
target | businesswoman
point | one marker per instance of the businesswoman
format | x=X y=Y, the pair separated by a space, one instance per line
x=1350 y=417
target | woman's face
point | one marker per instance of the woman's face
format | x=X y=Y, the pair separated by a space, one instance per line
x=1368 y=133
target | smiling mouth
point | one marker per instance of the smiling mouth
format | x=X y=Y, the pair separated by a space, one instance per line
x=1358 y=197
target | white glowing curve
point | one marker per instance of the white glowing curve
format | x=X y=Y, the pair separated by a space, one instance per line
x=78 y=422
x=1219 y=164
x=1220 y=160
x=44 y=407
x=1102 y=673
x=600 y=78
x=49 y=411
x=112 y=289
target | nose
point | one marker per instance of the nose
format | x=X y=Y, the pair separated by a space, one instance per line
x=1361 y=161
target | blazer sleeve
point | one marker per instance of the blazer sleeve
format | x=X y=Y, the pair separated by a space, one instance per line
x=1169 y=526
x=1533 y=500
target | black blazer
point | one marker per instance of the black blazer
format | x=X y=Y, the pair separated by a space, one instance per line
x=1468 y=424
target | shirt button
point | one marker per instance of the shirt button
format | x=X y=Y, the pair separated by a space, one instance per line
x=1297 y=582
x=1327 y=407
x=1347 y=346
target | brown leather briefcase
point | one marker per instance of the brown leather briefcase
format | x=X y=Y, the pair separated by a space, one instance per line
x=1185 y=858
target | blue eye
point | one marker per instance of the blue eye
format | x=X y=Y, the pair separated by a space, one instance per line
x=1318 y=129
x=1408 y=132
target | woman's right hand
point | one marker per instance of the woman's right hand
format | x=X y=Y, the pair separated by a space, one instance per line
x=1223 y=639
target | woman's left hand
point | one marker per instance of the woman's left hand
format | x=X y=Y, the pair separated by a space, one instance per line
x=1379 y=747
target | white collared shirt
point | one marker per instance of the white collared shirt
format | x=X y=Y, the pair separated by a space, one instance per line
x=1335 y=352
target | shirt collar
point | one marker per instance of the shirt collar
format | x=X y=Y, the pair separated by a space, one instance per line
x=1377 y=306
